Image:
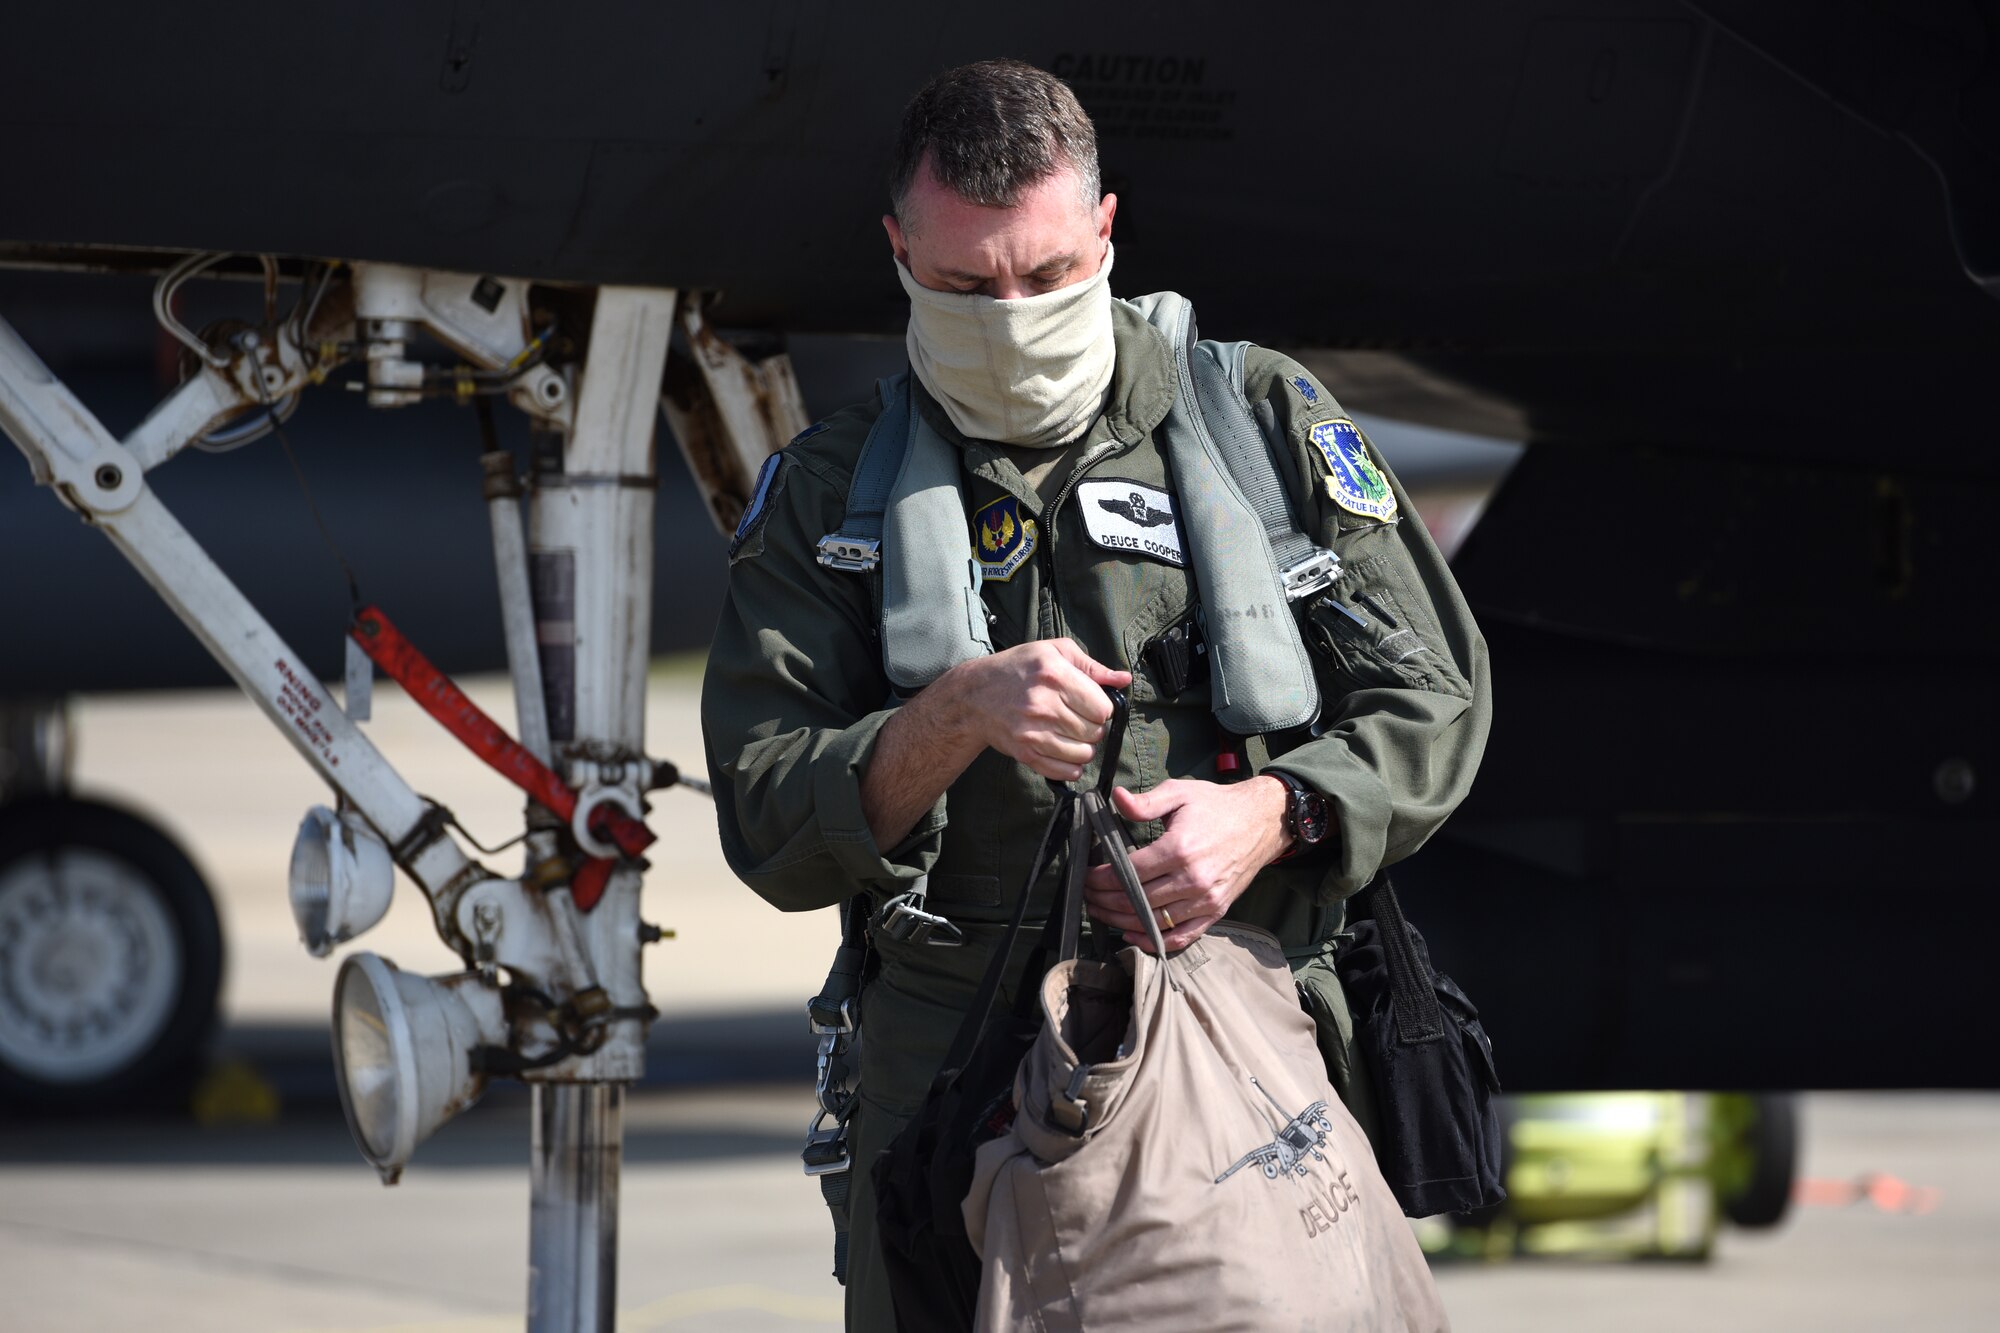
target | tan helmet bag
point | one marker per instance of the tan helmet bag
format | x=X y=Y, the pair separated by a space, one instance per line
x=1178 y=1161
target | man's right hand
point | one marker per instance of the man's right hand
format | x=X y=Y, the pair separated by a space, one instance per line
x=1041 y=704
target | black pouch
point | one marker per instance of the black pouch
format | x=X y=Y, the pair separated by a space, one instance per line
x=1179 y=658
x=1439 y=1140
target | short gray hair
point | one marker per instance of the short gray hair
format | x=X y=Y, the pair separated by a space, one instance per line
x=991 y=131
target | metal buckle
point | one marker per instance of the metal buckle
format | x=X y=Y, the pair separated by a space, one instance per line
x=855 y=555
x=903 y=919
x=1309 y=575
x=830 y=1080
x=826 y=1149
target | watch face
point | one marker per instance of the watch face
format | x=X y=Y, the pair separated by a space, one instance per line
x=1309 y=817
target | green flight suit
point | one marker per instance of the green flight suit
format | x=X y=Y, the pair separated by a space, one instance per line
x=795 y=695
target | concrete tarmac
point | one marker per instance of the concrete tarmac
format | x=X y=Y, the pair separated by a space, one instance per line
x=167 y=1227
x=159 y=1224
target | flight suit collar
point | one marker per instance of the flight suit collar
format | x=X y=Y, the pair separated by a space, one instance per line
x=1138 y=400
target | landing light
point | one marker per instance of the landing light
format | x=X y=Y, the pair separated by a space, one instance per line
x=404 y=1053
x=341 y=880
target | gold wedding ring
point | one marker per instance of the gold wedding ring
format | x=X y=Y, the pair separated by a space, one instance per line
x=1167 y=917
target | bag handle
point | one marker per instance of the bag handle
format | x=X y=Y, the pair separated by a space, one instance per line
x=1108 y=831
x=1098 y=826
x=1076 y=824
x=1098 y=823
x=1087 y=829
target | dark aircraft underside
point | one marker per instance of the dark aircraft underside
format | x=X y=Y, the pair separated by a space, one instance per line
x=1725 y=264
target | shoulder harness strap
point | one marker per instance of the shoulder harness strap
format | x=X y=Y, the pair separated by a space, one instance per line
x=1304 y=567
x=905 y=522
x=1248 y=558
x=857 y=546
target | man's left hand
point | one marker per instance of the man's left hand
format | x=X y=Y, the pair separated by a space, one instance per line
x=1218 y=837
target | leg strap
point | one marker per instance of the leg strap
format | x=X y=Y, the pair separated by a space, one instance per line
x=835 y=1014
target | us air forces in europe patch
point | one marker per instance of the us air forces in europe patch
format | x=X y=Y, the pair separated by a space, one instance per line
x=1003 y=537
x=1131 y=516
x=1353 y=481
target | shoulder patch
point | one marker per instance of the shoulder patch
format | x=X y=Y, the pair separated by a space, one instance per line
x=1353 y=480
x=1003 y=537
x=807 y=433
x=1305 y=388
x=759 y=506
x=1130 y=516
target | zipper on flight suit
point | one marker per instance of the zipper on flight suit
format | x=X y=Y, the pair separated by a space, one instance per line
x=1090 y=459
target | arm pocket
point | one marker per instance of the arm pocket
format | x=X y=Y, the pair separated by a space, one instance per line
x=1377 y=639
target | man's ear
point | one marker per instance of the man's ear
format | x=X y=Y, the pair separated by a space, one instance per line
x=897 y=243
x=1107 y=208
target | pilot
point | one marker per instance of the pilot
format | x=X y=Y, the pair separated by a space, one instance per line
x=833 y=782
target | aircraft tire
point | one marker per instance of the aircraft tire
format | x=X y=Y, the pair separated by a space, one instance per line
x=108 y=975
x=1774 y=1160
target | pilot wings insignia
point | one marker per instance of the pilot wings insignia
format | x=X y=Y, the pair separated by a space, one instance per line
x=1136 y=510
x=1300 y=1137
x=1132 y=517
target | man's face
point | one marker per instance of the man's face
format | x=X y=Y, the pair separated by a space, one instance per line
x=1046 y=241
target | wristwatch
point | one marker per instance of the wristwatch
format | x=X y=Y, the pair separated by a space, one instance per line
x=1306 y=816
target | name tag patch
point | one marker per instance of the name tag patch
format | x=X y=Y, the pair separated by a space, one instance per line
x=1123 y=515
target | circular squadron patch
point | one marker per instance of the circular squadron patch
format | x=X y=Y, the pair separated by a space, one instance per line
x=1004 y=538
x=1353 y=480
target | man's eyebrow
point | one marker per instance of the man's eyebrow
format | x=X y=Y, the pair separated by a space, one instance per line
x=1048 y=268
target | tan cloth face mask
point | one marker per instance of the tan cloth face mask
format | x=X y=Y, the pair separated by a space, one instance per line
x=1030 y=371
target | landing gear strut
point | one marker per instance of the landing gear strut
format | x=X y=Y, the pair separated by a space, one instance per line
x=551 y=992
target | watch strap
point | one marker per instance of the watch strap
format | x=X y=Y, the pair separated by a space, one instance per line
x=1296 y=792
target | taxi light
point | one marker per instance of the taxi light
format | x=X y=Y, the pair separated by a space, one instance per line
x=404 y=1053
x=341 y=879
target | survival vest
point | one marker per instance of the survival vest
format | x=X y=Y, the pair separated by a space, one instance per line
x=906 y=519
